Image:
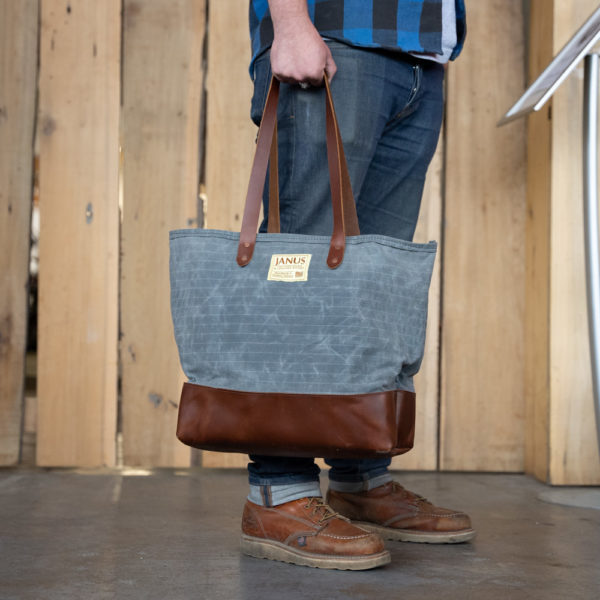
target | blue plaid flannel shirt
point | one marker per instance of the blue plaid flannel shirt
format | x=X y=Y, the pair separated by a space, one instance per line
x=407 y=25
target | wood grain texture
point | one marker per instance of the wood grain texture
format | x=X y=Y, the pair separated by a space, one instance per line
x=482 y=406
x=424 y=455
x=230 y=137
x=573 y=447
x=230 y=133
x=18 y=72
x=162 y=86
x=224 y=460
x=78 y=285
x=537 y=257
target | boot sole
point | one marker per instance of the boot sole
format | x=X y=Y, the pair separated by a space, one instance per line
x=425 y=537
x=272 y=550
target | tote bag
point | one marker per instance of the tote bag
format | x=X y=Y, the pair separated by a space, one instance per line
x=298 y=345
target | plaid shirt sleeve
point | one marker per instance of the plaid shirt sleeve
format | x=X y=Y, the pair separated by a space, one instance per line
x=406 y=25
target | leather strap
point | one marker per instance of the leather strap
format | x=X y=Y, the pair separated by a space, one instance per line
x=345 y=220
x=257 y=176
x=273 y=221
x=348 y=203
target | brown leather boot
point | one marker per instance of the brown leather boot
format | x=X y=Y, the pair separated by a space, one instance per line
x=398 y=514
x=307 y=532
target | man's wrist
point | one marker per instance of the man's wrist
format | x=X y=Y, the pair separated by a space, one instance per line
x=289 y=15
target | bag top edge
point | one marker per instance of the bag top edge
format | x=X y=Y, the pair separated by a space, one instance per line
x=430 y=246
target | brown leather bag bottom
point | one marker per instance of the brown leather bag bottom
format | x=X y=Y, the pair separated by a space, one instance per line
x=356 y=426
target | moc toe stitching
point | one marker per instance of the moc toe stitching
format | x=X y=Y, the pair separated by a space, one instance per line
x=446 y=515
x=347 y=537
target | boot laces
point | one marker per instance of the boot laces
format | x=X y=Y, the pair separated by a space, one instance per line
x=408 y=494
x=318 y=505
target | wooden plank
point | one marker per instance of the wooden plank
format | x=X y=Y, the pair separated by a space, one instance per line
x=224 y=460
x=79 y=161
x=573 y=448
x=482 y=407
x=162 y=86
x=230 y=137
x=230 y=133
x=18 y=73
x=424 y=455
x=537 y=258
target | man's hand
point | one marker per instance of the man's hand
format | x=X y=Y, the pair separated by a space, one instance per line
x=298 y=53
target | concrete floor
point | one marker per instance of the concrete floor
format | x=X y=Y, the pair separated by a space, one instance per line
x=174 y=535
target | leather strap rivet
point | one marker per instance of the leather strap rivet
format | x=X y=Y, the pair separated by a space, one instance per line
x=245 y=257
x=334 y=260
x=246 y=245
x=337 y=247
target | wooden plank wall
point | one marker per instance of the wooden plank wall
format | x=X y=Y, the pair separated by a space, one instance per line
x=18 y=73
x=482 y=404
x=561 y=445
x=78 y=285
x=508 y=291
x=162 y=89
x=537 y=260
x=230 y=133
x=573 y=447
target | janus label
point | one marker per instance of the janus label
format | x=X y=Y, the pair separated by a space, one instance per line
x=289 y=267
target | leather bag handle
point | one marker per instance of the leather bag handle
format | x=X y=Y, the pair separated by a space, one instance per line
x=345 y=220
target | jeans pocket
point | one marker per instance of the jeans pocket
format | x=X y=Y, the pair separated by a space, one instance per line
x=411 y=102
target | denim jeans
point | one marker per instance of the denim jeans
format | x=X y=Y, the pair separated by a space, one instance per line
x=389 y=107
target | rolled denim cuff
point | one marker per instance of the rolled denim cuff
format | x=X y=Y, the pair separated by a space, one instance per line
x=273 y=495
x=360 y=486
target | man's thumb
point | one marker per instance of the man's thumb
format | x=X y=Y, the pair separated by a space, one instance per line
x=330 y=66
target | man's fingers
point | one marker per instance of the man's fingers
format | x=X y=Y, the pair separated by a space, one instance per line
x=294 y=67
x=282 y=77
x=315 y=80
x=298 y=78
x=330 y=68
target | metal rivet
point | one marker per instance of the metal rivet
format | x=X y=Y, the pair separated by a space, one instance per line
x=246 y=245
x=334 y=260
x=337 y=247
x=245 y=257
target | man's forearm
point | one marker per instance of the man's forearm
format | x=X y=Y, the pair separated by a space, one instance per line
x=288 y=13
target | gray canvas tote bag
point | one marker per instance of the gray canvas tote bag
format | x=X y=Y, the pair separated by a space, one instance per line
x=298 y=345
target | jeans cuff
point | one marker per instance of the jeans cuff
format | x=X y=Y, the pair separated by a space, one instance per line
x=281 y=479
x=272 y=495
x=360 y=486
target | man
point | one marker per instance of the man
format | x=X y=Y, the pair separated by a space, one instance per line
x=385 y=59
